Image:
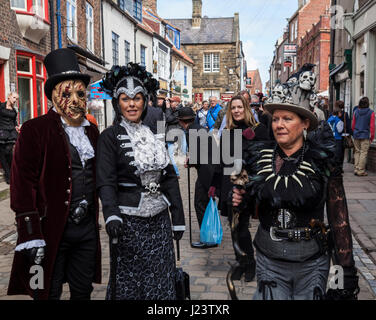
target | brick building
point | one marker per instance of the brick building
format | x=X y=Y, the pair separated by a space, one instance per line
x=315 y=48
x=24 y=42
x=216 y=50
x=255 y=83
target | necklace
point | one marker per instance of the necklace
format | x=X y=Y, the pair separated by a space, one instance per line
x=269 y=157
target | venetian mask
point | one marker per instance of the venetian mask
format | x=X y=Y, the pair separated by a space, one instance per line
x=69 y=99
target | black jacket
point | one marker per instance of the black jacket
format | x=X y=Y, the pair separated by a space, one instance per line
x=153 y=115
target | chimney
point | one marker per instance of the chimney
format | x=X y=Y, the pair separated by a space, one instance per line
x=236 y=27
x=196 y=13
x=150 y=4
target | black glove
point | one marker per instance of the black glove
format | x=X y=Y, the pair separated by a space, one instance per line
x=114 y=229
x=350 y=286
x=35 y=255
x=178 y=235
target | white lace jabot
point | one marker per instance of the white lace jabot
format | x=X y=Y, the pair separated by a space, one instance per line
x=79 y=139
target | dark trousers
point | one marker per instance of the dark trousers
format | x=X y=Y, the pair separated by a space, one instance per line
x=75 y=261
x=244 y=236
x=201 y=201
x=340 y=152
x=6 y=155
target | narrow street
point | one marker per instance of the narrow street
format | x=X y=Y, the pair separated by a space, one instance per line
x=208 y=268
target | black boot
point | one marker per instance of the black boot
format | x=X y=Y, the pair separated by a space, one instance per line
x=250 y=271
x=238 y=272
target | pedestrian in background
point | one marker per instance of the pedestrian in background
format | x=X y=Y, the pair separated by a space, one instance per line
x=172 y=110
x=202 y=114
x=239 y=116
x=336 y=124
x=363 y=126
x=213 y=111
x=8 y=132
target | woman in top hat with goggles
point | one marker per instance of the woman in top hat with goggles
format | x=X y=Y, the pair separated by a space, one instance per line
x=290 y=181
x=138 y=187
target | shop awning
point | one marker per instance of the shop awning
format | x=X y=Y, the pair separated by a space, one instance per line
x=338 y=69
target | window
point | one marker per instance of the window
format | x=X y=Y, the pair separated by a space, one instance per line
x=137 y=9
x=72 y=19
x=296 y=29
x=30 y=85
x=121 y=4
x=89 y=27
x=143 y=55
x=185 y=75
x=127 y=50
x=115 y=49
x=162 y=64
x=211 y=62
x=18 y=4
x=209 y=93
x=39 y=7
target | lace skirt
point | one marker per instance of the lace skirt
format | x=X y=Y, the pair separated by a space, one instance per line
x=144 y=260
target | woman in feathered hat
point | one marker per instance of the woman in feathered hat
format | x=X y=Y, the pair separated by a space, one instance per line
x=137 y=186
x=290 y=181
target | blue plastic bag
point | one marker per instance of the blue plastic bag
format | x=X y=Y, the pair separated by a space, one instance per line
x=211 y=228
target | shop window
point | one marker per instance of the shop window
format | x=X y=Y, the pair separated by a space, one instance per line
x=30 y=86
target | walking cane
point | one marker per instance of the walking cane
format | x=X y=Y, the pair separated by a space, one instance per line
x=113 y=246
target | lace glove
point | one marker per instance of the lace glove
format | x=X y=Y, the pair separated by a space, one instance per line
x=350 y=286
x=114 y=229
x=178 y=235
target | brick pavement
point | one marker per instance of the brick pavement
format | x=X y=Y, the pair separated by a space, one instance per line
x=208 y=268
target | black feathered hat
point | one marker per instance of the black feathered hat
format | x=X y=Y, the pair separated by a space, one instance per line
x=61 y=65
x=130 y=80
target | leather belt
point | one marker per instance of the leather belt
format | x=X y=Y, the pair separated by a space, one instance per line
x=296 y=234
x=151 y=188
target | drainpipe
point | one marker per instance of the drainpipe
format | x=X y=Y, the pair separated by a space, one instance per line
x=104 y=59
x=58 y=14
x=332 y=48
x=51 y=5
x=135 y=43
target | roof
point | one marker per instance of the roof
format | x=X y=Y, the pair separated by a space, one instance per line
x=212 y=30
x=182 y=54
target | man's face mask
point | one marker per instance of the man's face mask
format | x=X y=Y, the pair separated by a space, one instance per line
x=69 y=99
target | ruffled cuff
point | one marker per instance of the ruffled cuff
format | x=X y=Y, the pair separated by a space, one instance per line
x=31 y=244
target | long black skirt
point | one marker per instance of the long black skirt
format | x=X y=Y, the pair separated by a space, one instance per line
x=144 y=260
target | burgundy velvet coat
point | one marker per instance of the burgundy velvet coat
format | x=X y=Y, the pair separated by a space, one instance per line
x=40 y=191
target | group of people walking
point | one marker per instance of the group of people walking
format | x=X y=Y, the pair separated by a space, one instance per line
x=63 y=166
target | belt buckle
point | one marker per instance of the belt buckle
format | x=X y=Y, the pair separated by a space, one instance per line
x=272 y=234
x=152 y=187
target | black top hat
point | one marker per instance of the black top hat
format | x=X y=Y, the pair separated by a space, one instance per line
x=186 y=113
x=61 y=65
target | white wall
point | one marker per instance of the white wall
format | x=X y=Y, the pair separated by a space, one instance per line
x=145 y=39
x=115 y=21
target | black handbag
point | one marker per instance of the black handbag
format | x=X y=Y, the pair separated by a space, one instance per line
x=183 y=291
x=347 y=140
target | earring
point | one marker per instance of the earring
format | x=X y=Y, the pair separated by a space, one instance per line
x=305 y=133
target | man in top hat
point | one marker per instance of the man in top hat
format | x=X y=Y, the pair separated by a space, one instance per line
x=186 y=117
x=53 y=191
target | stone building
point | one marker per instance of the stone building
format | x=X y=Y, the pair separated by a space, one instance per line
x=214 y=46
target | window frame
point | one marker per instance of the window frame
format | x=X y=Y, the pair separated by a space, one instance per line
x=28 y=9
x=143 y=56
x=115 y=49
x=89 y=27
x=127 y=52
x=33 y=78
x=211 y=62
x=72 y=4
